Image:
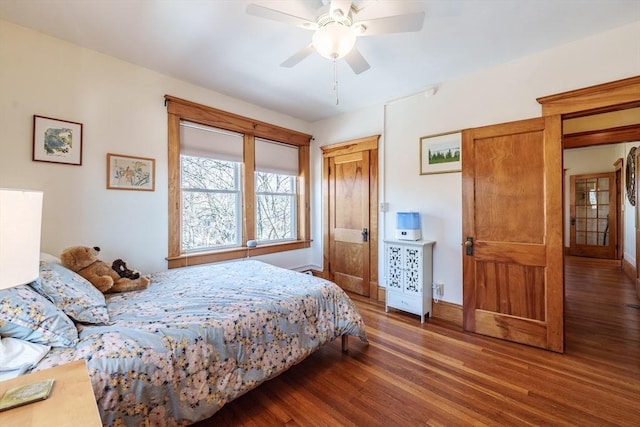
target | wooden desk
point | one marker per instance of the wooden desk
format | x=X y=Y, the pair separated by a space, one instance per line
x=71 y=402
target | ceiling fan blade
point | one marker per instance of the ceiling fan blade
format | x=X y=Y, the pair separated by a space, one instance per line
x=391 y=24
x=276 y=15
x=298 y=56
x=356 y=61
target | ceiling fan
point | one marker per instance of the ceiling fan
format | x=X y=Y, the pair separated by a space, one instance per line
x=336 y=28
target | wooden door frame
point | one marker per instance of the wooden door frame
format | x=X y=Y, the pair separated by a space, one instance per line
x=619 y=211
x=616 y=95
x=369 y=143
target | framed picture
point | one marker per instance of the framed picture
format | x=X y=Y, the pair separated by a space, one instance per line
x=130 y=173
x=441 y=153
x=57 y=141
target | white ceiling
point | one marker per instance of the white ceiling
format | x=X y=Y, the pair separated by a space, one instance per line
x=217 y=45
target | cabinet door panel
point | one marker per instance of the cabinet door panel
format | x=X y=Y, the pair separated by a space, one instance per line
x=394 y=267
x=412 y=264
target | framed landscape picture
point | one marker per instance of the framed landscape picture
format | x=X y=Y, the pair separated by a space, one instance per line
x=130 y=173
x=57 y=141
x=441 y=153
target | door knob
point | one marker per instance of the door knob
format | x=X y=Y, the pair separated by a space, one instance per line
x=468 y=245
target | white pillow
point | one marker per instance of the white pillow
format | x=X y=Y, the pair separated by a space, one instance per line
x=49 y=259
x=16 y=356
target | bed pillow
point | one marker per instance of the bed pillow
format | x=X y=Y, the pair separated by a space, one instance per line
x=27 y=315
x=72 y=293
x=48 y=258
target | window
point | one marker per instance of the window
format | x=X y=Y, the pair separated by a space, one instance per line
x=233 y=179
x=210 y=203
x=275 y=187
x=210 y=184
x=275 y=207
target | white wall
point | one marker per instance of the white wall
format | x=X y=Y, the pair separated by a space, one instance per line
x=500 y=94
x=121 y=107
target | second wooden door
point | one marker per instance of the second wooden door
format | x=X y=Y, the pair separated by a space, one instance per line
x=349 y=227
x=350 y=218
x=512 y=225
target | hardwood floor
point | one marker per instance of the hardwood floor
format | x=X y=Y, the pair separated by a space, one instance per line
x=435 y=374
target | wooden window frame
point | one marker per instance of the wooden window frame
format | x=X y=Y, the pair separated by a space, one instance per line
x=179 y=110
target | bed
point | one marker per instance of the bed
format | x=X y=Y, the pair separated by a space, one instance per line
x=197 y=338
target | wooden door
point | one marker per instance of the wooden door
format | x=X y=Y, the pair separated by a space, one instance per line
x=349 y=228
x=593 y=217
x=512 y=227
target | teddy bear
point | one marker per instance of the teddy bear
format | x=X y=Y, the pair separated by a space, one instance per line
x=84 y=261
x=120 y=266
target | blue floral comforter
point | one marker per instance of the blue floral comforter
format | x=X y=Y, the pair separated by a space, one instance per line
x=199 y=337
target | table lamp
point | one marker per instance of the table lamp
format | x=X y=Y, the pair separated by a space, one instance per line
x=20 y=225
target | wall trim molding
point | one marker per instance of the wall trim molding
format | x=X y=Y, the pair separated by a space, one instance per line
x=629 y=269
x=447 y=311
x=624 y=93
x=442 y=310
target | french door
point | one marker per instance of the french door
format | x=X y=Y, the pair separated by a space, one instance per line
x=593 y=214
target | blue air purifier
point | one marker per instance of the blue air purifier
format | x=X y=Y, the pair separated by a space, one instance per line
x=408 y=226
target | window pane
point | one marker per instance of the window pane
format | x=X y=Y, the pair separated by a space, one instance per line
x=274 y=183
x=603 y=184
x=603 y=225
x=603 y=197
x=210 y=203
x=275 y=217
x=205 y=173
x=275 y=207
x=209 y=220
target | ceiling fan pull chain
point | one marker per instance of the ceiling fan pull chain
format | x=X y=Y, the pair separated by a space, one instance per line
x=335 y=81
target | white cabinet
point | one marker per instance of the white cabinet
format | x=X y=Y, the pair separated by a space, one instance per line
x=409 y=267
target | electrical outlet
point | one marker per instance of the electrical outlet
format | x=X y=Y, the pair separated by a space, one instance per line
x=439 y=290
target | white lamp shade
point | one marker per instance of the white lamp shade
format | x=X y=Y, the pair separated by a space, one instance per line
x=20 y=225
x=333 y=41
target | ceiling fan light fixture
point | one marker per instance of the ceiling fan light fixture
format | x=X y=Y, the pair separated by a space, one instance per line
x=333 y=41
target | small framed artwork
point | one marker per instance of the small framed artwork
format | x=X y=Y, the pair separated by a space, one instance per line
x=130 y=173
x=441 y=153
x=57 y=141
